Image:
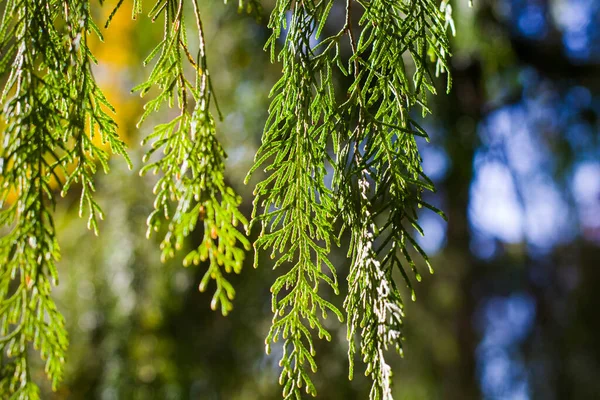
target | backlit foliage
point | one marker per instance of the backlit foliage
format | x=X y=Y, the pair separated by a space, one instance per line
x=338 y=149
x=368 y=139
x=192 y=161
x=53 y=115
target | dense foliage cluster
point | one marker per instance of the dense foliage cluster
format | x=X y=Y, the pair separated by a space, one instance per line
x=378 y=177
x=55 y=124
x=192 y=162
x=340 y=158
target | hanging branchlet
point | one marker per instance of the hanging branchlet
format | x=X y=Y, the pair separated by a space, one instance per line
x=191 y=189
x=378 y=175
x=298 y=206
x=373 y=298
x=90 y=126
x=57 y=128
x=52 y=110
x=381 y=151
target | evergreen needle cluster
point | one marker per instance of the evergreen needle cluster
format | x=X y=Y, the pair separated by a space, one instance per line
x=56 y=129
x=55 y=126
x=367 y=137
x=297 y=225
x=191 y=188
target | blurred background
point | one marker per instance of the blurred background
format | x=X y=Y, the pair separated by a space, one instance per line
x=513 y=310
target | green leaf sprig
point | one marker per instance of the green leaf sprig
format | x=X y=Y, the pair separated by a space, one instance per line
x=191 y=189
x=52 y=111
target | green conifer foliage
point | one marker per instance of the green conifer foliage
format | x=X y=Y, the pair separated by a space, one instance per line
x=52 y=110
x=378 y=174
x=365 y=133
x=192 y=163
x=299 y=230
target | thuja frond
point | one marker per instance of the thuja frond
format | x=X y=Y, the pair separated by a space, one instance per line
x=52 y=110
x=298 y=206
x=191 y=188
x=381 y=149
x=378 y=176
x=89 y=118
x=373 y=303
x=57 y=128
